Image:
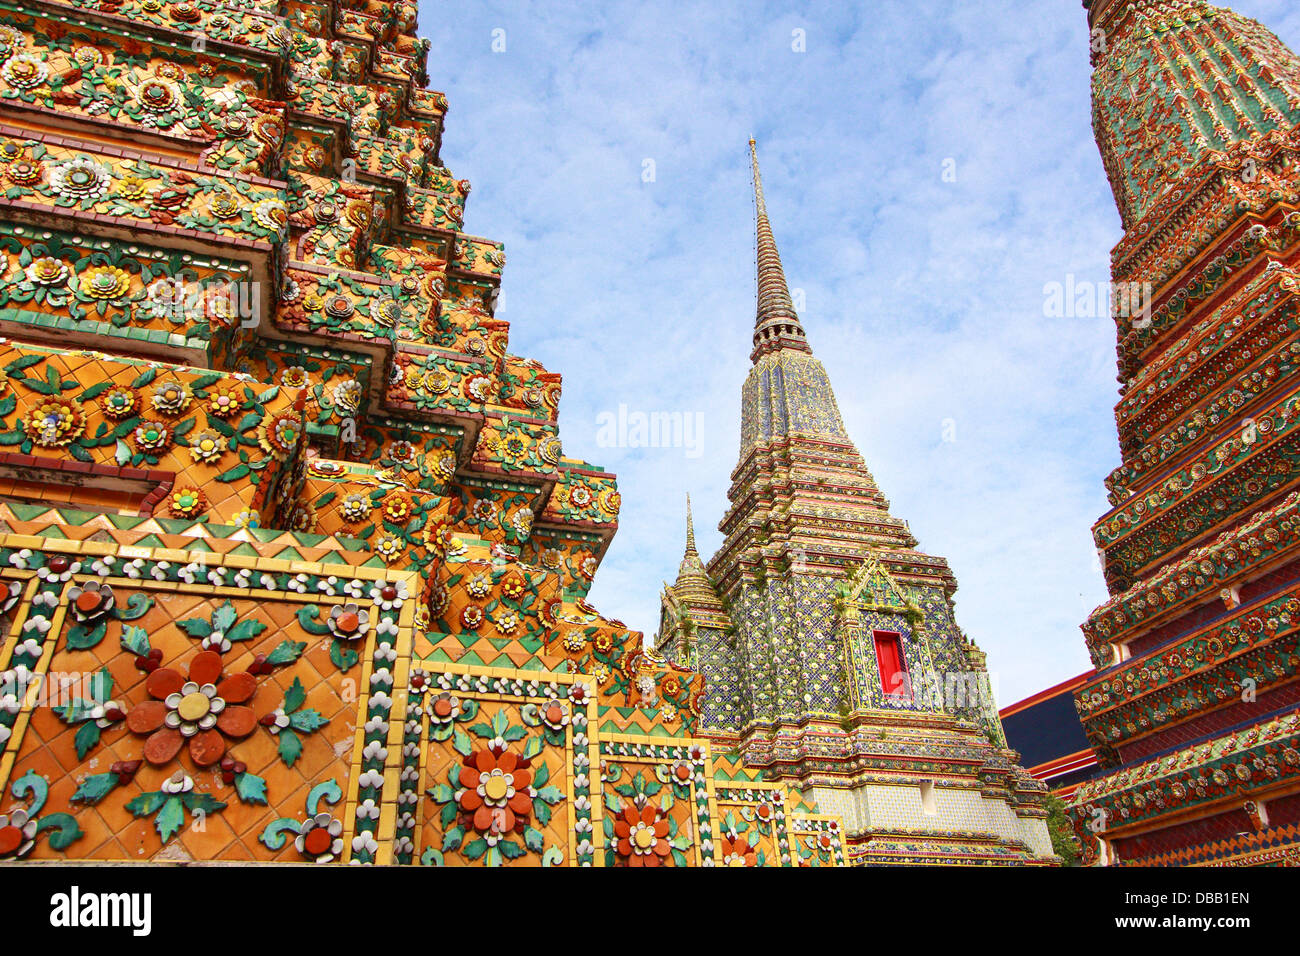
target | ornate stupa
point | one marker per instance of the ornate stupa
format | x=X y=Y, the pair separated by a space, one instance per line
x=826 y=638
x=690 y=602
x=1194 y=708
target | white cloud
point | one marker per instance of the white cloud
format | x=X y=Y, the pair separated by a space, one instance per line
x=924 y=298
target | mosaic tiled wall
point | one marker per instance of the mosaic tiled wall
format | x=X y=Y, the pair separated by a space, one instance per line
x=167 y=704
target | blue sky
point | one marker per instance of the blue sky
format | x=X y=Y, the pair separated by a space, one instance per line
x=923 y=297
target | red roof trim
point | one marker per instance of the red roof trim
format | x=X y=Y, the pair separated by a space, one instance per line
x=1042 y=695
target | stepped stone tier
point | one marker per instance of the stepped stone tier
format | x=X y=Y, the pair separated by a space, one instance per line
x=826 y=639
x=1194 y=707
x=288 y=542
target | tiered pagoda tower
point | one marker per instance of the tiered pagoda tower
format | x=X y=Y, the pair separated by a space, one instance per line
x=690 y=612
x=1195 y=703
x=826 y=639
x=288 y=541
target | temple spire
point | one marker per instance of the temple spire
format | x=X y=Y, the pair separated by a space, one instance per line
x=693 y=582
x=776 y=324
x=690 y=528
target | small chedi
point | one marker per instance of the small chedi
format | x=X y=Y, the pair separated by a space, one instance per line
x=1193 y=709
x=292 y=565
x=827 y=640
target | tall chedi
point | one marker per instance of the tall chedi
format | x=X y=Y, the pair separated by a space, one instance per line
x=288 y=542
x=826 y=639
x=1195 y=705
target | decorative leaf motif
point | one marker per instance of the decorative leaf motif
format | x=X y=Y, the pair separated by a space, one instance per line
x=551 y=794
x=448 y=814
x=146 y=803
x=451 y=840
x=307 y=720
x=94 y=391
x=144 y=378
x=170 y=818
x=295 y=696
x=223 y=618
x=251 y=788
x=245 y=630
x=286 y=652
x=95 y=787
x=195 y=627
x=290 y=747
x=170 y=809
x=86 y=739
x=534 y=840
x=461 y=742
x=234 y=474
x=101 y=686
x=135 y=639
x=75 y=711
x=23 y=362
x=202 y=802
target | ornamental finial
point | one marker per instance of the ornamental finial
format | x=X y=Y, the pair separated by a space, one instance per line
x=690 y=527
x=776 y=324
